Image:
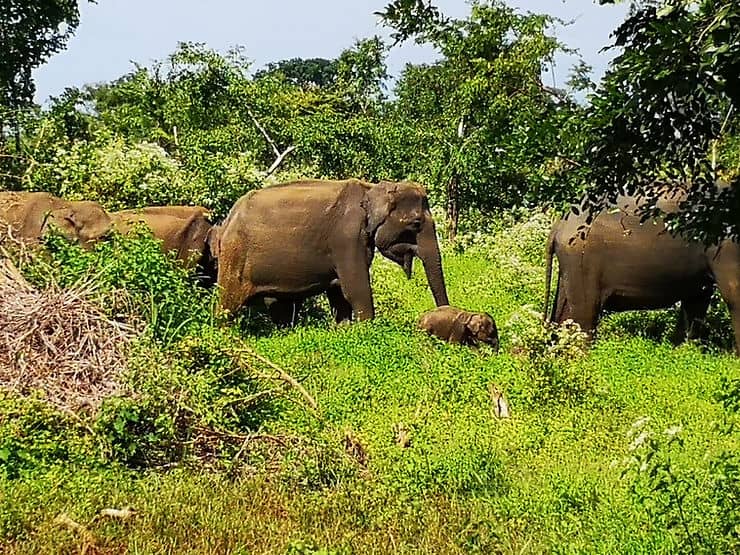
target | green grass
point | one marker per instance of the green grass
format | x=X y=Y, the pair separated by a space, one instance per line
x=549 y=479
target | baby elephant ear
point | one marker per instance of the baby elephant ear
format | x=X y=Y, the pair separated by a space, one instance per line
x=476 y=322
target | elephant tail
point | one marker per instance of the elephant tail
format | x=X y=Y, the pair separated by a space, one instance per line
x=550 y=251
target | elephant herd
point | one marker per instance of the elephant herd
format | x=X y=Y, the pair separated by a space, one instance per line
x=282 y=244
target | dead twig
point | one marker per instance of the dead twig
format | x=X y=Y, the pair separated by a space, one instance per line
x=279 y=160
x=280 y=156
x=58 y=341
x=279 y=374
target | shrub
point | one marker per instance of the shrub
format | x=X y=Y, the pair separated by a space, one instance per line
x=552 y=353
x=157 y=289
x=699 y=504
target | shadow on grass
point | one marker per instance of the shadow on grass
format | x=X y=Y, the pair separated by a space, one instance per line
x=716 y=334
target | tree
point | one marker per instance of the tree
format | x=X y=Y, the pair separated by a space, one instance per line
x=304 y=73
x=493 y=133
x=666 y=100
x=30 y=33
x=361 y=73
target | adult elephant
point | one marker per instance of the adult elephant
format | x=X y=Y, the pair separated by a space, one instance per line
x=291 y=241
x=30 y=215
x=284 y=312
x=183 y=230
x=616 y=264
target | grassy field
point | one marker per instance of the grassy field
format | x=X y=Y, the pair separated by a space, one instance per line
x=615 y=449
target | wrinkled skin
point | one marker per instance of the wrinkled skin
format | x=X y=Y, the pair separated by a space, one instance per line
x=284 y=313
x=460 y=326
x=292 y=241
x=618 y=264
x=183 y=230
x=30 y=215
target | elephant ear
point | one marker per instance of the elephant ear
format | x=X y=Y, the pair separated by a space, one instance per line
x=379 y=203
x=459 y=328
x=65 y=220
x=476 y=323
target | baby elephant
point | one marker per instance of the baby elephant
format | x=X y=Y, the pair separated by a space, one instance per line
x=460 y=326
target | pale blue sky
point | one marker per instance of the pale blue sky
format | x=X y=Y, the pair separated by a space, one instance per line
x=113 y=33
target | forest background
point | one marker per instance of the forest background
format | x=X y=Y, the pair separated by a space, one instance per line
x=498 y=149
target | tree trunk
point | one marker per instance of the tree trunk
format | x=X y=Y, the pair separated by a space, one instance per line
x=453 y=205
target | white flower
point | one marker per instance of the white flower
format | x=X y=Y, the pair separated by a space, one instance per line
x=640 y=422
x=639 y=440
x=673 y=430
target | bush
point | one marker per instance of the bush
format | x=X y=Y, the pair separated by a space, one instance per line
x=157 y=289
x=34 y=434
x=697 y=504
x=552 y=353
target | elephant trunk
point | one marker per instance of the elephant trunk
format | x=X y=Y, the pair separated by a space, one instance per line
x=428 y=252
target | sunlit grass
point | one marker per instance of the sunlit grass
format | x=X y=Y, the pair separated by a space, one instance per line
x=547 y=479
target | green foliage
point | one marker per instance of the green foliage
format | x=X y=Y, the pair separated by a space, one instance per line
x=490 y=133
x=461 y=480
x=407 y=451
x=31 y=33
x=663 y=103
x=552 y=352
x=135 y=277
x=30 y=432
x=306 y=73
x=698 y=505
x=192 y=403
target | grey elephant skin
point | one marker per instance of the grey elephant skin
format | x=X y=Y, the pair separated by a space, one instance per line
x=183 y=230
x=30 y=215
x=291 y=241
x=618 y=264
x=460 y=326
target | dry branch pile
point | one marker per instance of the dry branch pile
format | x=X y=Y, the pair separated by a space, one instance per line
x=57 y=341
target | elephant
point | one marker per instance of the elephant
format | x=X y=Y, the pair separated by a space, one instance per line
x=29 y=216
x=290 y=241
x=183 y=230
x=283 y=312
x=460 y=326
x=616 y=263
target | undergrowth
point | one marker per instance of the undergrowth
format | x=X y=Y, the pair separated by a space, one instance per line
x=406 y=451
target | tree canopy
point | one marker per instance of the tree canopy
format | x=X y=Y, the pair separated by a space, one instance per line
x=667 y=100
x=480 y=127
x=30 y=33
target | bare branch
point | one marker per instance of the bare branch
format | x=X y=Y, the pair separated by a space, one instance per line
x=264 y=132
x=279 y=374
x=279 y=160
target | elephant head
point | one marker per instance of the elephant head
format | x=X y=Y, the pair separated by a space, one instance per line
x=84 y=221
x=400 y=223
x=483 y=329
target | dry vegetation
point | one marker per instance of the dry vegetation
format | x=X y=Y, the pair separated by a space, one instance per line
x=56 y=340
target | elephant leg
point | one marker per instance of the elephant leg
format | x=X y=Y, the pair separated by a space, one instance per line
x=283 y=313
x=728 y=282
x=354 y=280
x=340 y=307
x=579 y=300
x=233 y=294
x=691 y=318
